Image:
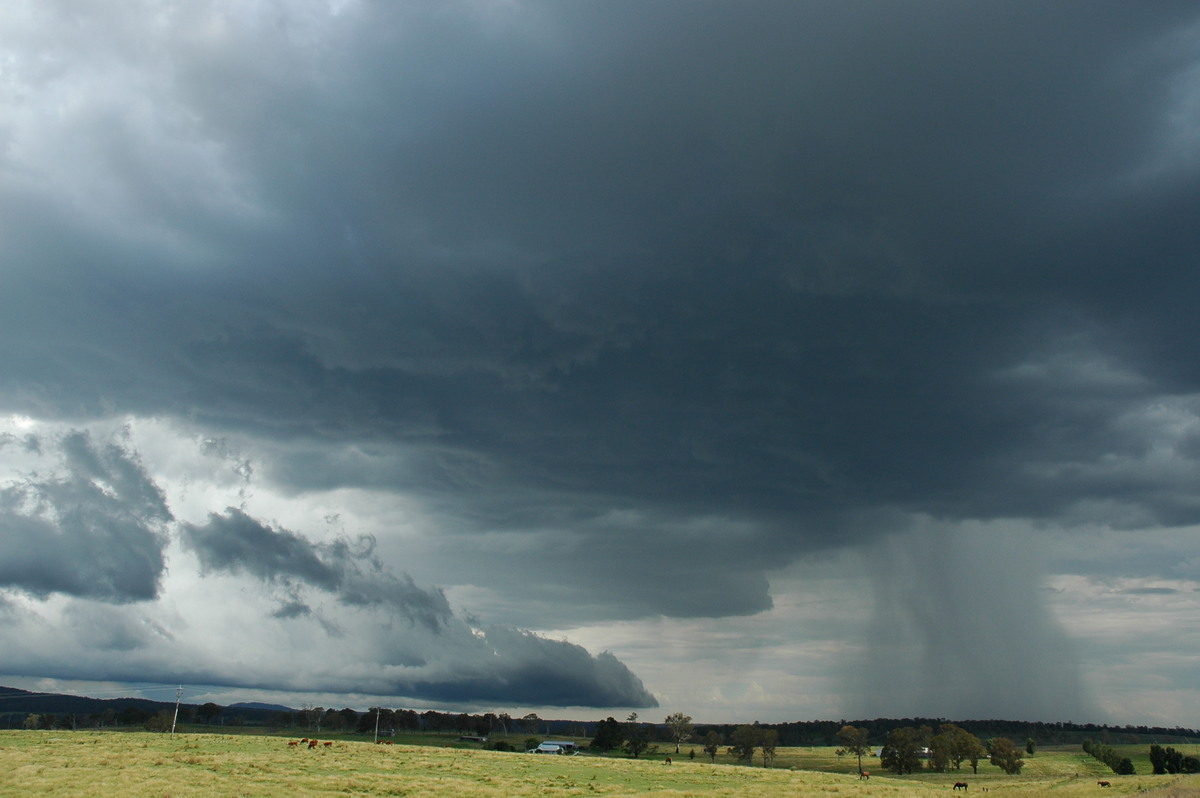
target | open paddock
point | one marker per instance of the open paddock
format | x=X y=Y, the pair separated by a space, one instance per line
x=175 y=766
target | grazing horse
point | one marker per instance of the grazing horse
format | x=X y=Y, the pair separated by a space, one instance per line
x=328 y=744
x=1104 y=783
x=668 y=761
x=864 y=775
x=313 y=744
x=293 y=743
x=960 y=785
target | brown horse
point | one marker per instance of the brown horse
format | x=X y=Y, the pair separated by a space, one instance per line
x=960 y=785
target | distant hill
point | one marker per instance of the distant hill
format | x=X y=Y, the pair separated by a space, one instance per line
x=13 y=700
x=15 y=704
x=259 y=705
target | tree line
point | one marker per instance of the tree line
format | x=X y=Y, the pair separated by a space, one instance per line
x=1168 y=760
x=905 y=749
x=824 y=732
x=1121 y=765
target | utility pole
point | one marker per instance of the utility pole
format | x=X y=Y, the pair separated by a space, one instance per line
x=178 y=695
x=377 y=714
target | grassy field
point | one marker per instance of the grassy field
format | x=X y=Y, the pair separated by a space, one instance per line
x=166 y=766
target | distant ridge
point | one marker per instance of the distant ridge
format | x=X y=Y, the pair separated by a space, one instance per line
x=15 y=704
x=262 y=706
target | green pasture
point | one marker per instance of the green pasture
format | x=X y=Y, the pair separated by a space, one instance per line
x=84 y=763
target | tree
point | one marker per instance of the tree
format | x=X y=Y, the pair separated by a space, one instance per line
x=854 y=740
x=487 y=724
x=530 y=723
x=901 y=751
x=1190 y=764
x=636 y=742
x=712 y=744
x=952 y=745
x=768 y=741
x=207 y=713
x=1158 y=760
x=1005 y=755
x=637 y=736
x=132 y=716
x=313 y=716
x=680 y=726
x=744 y=741
x=939 y=758
x=975 y=751
x=1030 y=746
x=32 y=721
x=609 y=734
x=161 y=722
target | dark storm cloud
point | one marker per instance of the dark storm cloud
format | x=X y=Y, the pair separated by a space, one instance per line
x=704 y=258
x=529 y=669
x=92 y=526
x=237 y=543
x=757 y=260
x=652 y=296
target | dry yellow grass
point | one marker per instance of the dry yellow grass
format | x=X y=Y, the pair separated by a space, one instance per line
x=166 y=766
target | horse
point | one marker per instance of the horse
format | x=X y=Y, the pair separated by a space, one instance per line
x=668 y=761
x=960 y=785
x=864 y=775
x=1104 y=783
x=313 y=744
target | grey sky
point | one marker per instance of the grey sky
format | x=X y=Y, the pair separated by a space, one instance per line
x=599 y=321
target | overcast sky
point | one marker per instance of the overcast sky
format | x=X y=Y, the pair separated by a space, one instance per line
x=754 y=360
